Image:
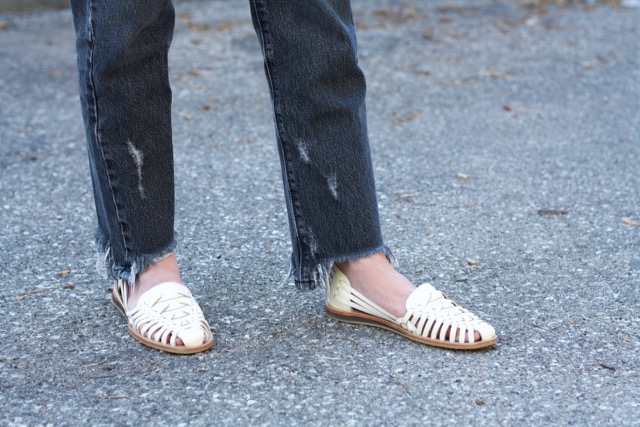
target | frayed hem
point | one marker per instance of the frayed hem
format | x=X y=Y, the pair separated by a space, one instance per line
x=308 y=278
x=133 y=265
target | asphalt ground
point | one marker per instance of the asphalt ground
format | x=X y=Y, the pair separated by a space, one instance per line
x=506 y=145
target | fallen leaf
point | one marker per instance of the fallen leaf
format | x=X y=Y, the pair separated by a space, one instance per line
x=400 y=383
x=630 y=221
x=64 y=272
x=552 y=212
x=506 y=107
x=462 y=176
x=472 y=261
x=479 y=402
x=38 y=291
x=494 y=74
x=406 y=118
x=604 y=365
x=224 y=26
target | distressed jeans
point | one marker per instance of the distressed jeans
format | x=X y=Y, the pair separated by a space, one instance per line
x=318 y=97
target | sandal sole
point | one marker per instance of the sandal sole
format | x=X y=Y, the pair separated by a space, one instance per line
x=149 y=343
x=368 y=320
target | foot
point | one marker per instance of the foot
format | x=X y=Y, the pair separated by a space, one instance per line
x=376 y=279
x=165 y=270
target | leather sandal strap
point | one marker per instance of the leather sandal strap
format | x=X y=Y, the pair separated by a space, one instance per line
x=346 y=294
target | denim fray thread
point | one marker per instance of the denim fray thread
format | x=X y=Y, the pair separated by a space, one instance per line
x=105 y=262
x=319 y=273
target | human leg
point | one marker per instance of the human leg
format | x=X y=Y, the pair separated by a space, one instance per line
x=126 y=103
x=318 y=91
x=318 y=94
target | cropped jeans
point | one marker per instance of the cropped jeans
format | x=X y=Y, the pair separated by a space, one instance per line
x=318 y=97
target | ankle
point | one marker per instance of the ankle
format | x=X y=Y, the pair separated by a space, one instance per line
x=377 y=260
x=165 y=270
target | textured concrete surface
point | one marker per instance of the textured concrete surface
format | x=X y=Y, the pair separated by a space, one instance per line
x=538 y=108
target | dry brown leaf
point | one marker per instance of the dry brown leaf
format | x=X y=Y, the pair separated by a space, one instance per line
x=630 y=221
x=64 y=272
x=494 y=74
x=39 y=291
x=224 y=26
x=397 y=121
x=604 y=365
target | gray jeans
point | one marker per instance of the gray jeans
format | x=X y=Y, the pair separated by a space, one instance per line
x=318 y=95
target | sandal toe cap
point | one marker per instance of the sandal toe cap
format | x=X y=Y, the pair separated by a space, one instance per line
x=486 y=331
x=192 y=337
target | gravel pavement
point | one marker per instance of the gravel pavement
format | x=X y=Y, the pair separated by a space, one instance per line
x=506 y=144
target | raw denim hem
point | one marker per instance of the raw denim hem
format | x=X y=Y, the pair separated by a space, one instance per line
x=312 y=276
x=133 y=265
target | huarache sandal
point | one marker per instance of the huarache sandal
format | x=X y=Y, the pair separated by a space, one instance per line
x=431 y=317
x=163 y=314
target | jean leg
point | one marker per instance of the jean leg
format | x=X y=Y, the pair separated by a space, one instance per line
x=125 y=97
x=318 y=95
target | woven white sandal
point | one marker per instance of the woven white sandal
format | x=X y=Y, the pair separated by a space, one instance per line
x=430 y=315
x=165 y=312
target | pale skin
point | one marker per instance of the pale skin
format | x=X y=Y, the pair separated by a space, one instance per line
x=373 y=276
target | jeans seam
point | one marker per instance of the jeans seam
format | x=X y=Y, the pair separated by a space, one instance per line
x=94 y=99
x=279 y=127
